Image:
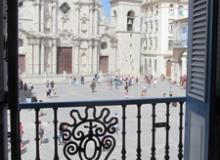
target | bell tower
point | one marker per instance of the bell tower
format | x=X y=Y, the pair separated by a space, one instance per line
x=126 y=19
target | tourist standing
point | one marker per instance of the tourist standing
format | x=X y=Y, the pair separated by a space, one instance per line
x=93 y=85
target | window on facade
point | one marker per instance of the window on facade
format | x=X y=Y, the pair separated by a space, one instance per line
x=151 y=26
x=114 y=18
x=170 y=43
x=146 y=27
x=20 y=42
x=130 y=20
x=156 y=26
x=155 y=65
x=150 y=63
x=181 y=10
x=171 y=10
x=156 y=10
x=21 y=3
x=156 y=43
x=151 y=11
x=145 y=48
x=104 y=45
x=171 y=27
x=151 y=43
x=65 y=8
x=145 y=64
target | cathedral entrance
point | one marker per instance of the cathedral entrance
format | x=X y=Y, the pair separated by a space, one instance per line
x=21 y=63
x=64 y=60
x=168 y=68
x=103 y=64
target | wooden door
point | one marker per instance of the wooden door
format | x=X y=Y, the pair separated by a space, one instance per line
x=168 y=68
x=21 y=63
x=103 y=64
x=64 y=60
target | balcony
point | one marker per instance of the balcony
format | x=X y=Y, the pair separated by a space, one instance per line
x=178 y=44
x=145 y=128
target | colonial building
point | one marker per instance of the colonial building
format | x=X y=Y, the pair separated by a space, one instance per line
x=158 y=34
x=73 y=36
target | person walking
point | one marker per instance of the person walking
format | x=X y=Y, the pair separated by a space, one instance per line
x=41 y=132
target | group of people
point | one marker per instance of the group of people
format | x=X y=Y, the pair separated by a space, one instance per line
x=77 y=80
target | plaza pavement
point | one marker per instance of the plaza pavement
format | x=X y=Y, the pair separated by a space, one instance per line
x=67 y=92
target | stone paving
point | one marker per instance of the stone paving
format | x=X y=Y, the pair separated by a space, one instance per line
x=67 y=92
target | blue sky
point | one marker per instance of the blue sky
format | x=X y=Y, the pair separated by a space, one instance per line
x=106 y=7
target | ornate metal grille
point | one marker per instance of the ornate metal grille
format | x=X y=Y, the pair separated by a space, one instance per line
x=91 y=129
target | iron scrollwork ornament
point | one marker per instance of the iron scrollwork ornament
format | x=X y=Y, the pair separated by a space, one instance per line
x=89 y=136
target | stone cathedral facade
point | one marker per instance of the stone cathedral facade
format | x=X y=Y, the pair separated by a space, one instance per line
x=73 y=37
x=65 y=36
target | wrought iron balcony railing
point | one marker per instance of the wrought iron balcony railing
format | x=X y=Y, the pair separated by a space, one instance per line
x=90 y=135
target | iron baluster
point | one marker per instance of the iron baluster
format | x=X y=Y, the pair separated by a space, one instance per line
x=139 y=132
x=180 y=154
x=123 y=151
x=153 y=148
x=56 y=156
x=37 y=139
x=167 y=147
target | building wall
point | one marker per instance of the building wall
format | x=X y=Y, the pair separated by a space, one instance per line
x=158 y=33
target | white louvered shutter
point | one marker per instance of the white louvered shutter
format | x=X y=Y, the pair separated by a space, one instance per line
x=198 y=49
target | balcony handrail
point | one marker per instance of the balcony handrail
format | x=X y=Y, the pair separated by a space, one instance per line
x=103 y=102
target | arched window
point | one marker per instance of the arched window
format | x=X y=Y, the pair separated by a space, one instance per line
x=103 y=45
x=130 y=20
x=114 y=17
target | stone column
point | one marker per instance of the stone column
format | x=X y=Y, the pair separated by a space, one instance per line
x=95 y=57
x=54 y=16
x=91 y=21
x=35 y=54
x=78 y=20
x=76 y=59
x=42 y=57
x=54 y=57
x=90 y=58
x=95 y=21
x=36 y=13
x=115 y=58
x=42 y=16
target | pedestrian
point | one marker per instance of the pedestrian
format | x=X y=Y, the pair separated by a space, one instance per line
x=117 y=129
x=52 y=84
x=21 y=128
x=93 y=85
x=25 y=87
x=82 y=80
x=60 y=137
x=34 y=99
x=41 y=132
x=48 y=91
x=144 y=91
x=126 y=90
x=155 y=82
